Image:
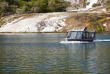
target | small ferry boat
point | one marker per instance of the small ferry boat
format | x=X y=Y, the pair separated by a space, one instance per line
x=81 y=35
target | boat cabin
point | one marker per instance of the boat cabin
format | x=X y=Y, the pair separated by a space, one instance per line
x=81 y=35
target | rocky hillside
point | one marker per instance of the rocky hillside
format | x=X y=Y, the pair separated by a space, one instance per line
x=86 y=5
x=55 y=22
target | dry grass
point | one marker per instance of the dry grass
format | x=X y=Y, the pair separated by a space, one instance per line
x=80 y=20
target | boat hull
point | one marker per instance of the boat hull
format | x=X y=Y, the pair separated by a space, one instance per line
x=88 y=40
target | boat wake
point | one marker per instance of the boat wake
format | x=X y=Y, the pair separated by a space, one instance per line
x=104 y=40
x=74 y=42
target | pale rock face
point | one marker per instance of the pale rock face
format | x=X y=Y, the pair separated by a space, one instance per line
x=73 y=1
x=91 y=3
x=48 y=22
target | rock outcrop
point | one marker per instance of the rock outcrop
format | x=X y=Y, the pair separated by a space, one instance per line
x=56 y=22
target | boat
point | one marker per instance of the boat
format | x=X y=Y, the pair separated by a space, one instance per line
x=80 y=35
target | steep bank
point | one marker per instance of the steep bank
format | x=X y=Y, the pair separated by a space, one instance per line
x=87 y=5
x=55 y=22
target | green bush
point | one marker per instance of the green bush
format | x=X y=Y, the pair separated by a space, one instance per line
x=108 y=5
x=87 y=3
x=57 y=5
x=30 y=6
x=75 y=6
x=1 y=23
x=99 y=26
x=96 y=4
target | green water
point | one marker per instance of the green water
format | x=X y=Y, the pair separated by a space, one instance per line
x=41 y=53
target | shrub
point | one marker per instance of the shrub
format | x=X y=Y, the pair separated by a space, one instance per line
x=87 y=3
x=96 y=4
x=27 y=6
x=99 y=26
x=108 y=5
x=75 y=6
x=1 y=23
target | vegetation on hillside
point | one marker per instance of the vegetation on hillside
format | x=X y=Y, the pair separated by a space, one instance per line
x=108 y=5
x=96 y=4
x=41 y=6
x=32 y=6
x=94 y=21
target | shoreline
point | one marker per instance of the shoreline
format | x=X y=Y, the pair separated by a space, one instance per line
x=42 y=32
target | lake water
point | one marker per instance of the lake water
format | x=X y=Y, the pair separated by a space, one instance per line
x=41 y=53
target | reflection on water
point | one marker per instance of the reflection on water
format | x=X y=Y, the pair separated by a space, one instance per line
x=42 y=53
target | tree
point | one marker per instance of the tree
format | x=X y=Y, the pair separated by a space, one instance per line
x=108 y=5
x=42 y=5
x=30 y=6
x=3 y=7
x=57 y=5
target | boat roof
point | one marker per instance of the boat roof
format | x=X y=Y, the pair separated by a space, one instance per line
x=79 y=31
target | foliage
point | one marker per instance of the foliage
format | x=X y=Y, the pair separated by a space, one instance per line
x=75 y=6
x=99 y=26
x=87 y=3
x=93 y=17
x=96 y=4
x=108 y=5
x=1 y=23
x=97 y=22
x=30 y=6
x=57 y=5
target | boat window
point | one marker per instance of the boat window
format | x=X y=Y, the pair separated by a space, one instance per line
x=68 y=35
x=79 y=35
x=73 y=35
x=88 y=35
x=84 y=35
x=93 y=34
